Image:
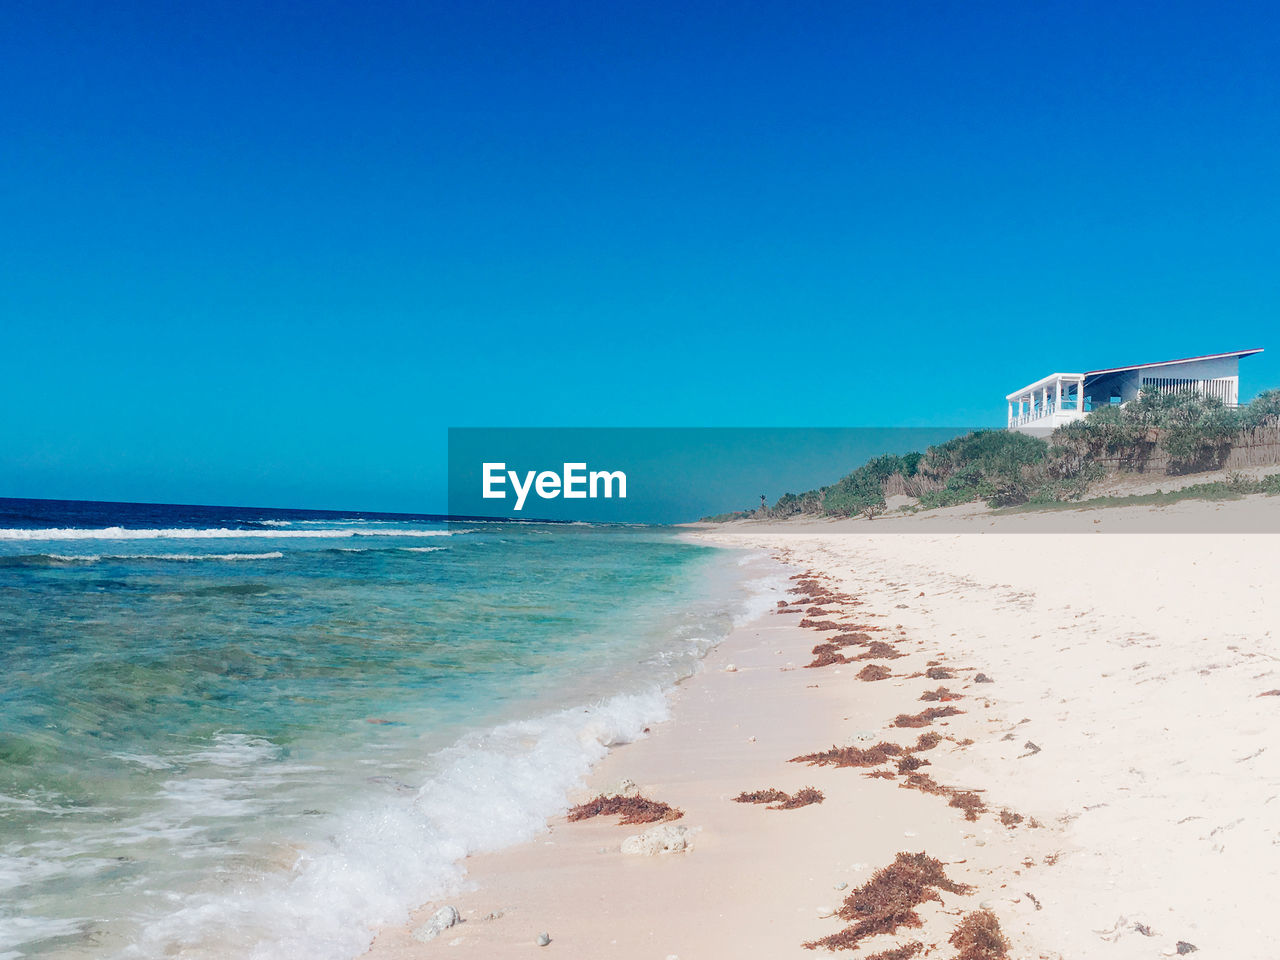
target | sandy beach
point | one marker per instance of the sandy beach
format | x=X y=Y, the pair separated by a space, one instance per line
x=1103 y=780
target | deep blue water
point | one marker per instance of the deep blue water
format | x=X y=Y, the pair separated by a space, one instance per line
x=237 y=732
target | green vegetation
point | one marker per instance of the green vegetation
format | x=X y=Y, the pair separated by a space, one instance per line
x=1187 y=432
x=1233 y=488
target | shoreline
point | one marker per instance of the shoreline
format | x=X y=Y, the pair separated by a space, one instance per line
x=1132 y=747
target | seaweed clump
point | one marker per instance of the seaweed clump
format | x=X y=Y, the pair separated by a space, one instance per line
x=825 y=654
x=924 y=717
x=941 y=694
x=875 y=671
x=769 y=795
x=979 y=937
x=904 y=952
x=631 y=809
x=779 y=800
x=966 y=800
x=879 y=650
x=852 y=756
x=889 y=900
x=927 y=741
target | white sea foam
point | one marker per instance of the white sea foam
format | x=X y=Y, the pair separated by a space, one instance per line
x=25 y=929
x=186 y=557
x=397 y=850
x=421 y=549
x=214 y=533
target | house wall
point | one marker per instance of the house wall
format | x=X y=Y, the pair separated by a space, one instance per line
x=1127 y=383
x=1223 y=368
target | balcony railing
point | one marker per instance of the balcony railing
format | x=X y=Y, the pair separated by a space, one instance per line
x=1042 y=411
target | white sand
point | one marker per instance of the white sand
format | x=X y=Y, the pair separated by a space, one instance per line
x=1132 y=661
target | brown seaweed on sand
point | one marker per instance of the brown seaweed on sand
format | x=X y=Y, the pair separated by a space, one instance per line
x=820 y=624
x=940 y=673
x=965 y=800
x=875 y=671
x=852 y=756
x=1009 y=818
x=924 y=717
x=889 y=900
x=904 y=952
x=768 y=795
x=978 y=937
x=857 y=638
x=780 y=800
x=631 y=809
x=826 y=654
x=942 y=694
x=803 y=798
x=879 y=650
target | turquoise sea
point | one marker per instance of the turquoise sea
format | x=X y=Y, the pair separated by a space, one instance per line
x=255 y=733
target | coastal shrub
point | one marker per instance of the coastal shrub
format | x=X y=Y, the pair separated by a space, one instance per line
x=997 y=466
x=1195 y=431
x=1262 y=411
x=990 y=453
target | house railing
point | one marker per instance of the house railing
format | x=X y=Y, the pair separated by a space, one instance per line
x=1041 y=411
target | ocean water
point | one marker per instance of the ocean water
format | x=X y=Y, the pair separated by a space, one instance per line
x=264 y=733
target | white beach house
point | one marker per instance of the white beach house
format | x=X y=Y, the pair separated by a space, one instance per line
x=1041 y=407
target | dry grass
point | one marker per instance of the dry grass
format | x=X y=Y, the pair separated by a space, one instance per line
x=631 y=809
x=978 y=937
x=889 y=900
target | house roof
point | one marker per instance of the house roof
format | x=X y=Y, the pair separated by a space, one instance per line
x=1165 y=363
x=1043 y=382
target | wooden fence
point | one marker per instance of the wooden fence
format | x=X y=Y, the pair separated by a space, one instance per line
x=1250 y=448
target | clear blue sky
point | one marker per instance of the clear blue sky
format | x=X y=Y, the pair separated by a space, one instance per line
x=268 y=254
